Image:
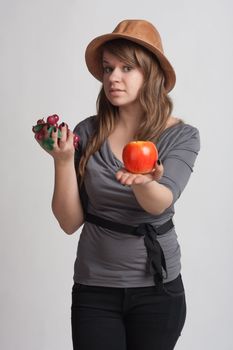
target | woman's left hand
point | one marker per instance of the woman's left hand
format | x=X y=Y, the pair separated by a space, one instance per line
x=129 y=179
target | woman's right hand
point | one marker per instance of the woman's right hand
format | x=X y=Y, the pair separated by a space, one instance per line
x=62 y=148
x=61 y=143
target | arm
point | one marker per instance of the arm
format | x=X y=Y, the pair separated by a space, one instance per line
x=66 y=204
x=155 y=195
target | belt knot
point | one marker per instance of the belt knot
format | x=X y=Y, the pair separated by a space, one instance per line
x=145 y=229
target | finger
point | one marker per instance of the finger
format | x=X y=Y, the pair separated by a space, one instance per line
x=54 y=136
x=129 y=178
x=159 y=166
x=41 y=135
x=70 y=139
x=120 y=173
x=70 y=136
x=63 y=129
x=136 y=179
x=158 y=171
x=141 y=180
x=46 y=131
x=64 y=136
x=124 y=178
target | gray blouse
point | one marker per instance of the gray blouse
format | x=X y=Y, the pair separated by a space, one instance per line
x=112 y=259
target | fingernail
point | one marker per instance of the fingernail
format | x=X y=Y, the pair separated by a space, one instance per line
x=62 y=124
x=159 y=162
x=55 y=129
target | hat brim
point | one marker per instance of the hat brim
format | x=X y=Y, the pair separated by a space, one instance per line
x=93 y=57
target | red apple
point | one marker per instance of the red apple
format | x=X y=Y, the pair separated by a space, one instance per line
x=139 y=157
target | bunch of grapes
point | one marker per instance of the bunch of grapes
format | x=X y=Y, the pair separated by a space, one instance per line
x=51 y=124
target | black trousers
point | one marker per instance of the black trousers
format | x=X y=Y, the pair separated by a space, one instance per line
x=143 y=318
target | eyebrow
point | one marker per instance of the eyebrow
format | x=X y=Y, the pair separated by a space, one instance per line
x=105 y=61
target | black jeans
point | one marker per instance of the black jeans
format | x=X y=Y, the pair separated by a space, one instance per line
x=143 y=318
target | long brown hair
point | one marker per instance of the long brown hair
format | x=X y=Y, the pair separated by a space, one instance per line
x=156 y=103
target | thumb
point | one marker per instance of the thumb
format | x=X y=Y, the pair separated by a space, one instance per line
x=158 y=171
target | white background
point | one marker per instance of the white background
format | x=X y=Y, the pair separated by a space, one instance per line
x=42 y=71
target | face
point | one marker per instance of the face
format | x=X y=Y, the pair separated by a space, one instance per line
x=121 y=82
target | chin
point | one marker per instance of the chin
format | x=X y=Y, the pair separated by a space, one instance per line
x=118 y=103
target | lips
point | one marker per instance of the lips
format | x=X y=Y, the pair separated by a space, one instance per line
x=116 y=90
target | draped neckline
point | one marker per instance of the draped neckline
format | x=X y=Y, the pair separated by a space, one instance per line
x=163 y=134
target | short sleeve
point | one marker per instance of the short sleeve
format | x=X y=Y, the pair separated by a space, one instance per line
x=84 y=131
x=179 y=161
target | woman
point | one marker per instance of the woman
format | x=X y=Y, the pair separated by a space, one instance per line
x=128 y=291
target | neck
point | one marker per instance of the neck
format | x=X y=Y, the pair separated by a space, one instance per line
x=130 y=118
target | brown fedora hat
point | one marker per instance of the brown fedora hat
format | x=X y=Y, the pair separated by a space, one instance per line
x=139 y=31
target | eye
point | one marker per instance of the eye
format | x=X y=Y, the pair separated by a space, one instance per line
x=107 y=69
x=127 y=68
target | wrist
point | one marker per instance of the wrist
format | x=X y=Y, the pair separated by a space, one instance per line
x=58 y=162
x=145 y=184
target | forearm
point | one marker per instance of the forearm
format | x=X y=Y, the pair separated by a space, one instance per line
x=153 y=197
x=66 y=204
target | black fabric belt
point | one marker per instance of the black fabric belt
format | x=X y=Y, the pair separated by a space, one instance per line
x=156 y=263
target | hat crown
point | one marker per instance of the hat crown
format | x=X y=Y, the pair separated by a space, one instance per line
x=140 y=29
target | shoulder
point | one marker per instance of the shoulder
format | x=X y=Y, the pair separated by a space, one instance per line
x=86 y=125
x=84 y=129
x=182 y=131
x=189 y=135
x=180 y=136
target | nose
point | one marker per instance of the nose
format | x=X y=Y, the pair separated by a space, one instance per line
x=115 y=75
